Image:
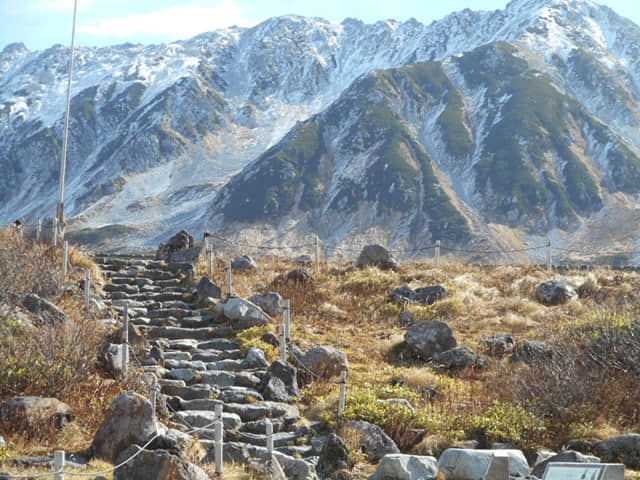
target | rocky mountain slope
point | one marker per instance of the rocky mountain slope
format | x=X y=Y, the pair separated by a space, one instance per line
x=498 y=128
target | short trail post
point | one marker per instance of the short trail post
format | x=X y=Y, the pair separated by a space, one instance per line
x=269 y=427
x=437 y=252
x=65 y=258
x=549 y=254
x=38 y=230
x=229 y=289
x=87 y=288
x=125 y=341
x=58 y=464
x=218 y=449
x=343 y=392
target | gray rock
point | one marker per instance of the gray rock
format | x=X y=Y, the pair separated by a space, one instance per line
x=35 y=412
x=555 y=292
x=325 y=362
x=406 y=467
x=207 y=289
x=270 y=302
x=375 y=443
x=531 y=352
x=430 y=337
x=499 y=344
x=334 y=456
x=244 y=314
x=398 y=401
x=465 y=464
x=180 y=241
x=255 y=359
x=156 y=465
x=244 y=263
x=129 y=420
x=623 y=448
x=457 y=358
x=46 y=311
x=203 y=418
x=430 y=295
x=376 y=256
x=280 y=383
x=569 y=457
x=405 y=319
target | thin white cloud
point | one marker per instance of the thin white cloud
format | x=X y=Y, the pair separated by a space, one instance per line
x=175 y=22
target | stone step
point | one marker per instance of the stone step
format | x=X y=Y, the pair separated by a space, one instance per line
x=171 y=282
x=255 y=411
x=129 y=302
x=132 y=312
x=201 y=321
x=207 y=419
x=158 y=275
x=239 y=395
x=218 y=344
x=178 y=355
x=215 y=355
x=191 y=392
x=173 y=364
x=122 y=280
x=170 y=312
x=281 y=439
x=298 y=451
x=151 y=289
x=168 y=304
x=176 y=333
x=216 y=378
x=130 y=289
x=164 y=296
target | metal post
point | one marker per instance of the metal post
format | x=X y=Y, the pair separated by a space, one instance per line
x=218 y=410
x=269 y=426
x=283 y=342
x=65 y=258
x=125 y=340
x=437 y=252
x=87 y=287
x=549 y=254
x=54 y=233
x=343 y=391
x=65 y=136
x=317 y=252
x=287 y=320
x=153 y=395
x=210 y=253
x=38 y=230
x=58 y=464
x=218 y=447
x=229 y=289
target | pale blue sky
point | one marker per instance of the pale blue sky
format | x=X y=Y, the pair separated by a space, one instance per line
x=42 y=23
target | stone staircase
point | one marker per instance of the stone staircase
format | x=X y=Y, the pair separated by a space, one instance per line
x=194 y=355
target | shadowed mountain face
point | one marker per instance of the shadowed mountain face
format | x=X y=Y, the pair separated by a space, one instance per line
x=522 y=121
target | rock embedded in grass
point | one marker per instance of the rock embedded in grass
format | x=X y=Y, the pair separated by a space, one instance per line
x=429 y=338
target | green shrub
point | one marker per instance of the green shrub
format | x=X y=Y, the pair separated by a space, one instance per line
x=509 y=423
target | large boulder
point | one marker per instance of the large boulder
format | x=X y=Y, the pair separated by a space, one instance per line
x=555 y=292
x=155 y=465
x=430 y=337
x=406 y=467
x=207 y=289
x=466 y=464
x=568 y=456
x=280 y=383
x=334 y=456
x=129 y=420
x=325 y=362
x=623 y=448
x=244 y=263
x=27 y=413
x=371 y=438
x=271 y=303
x=45 y=311
x=180 y=241
x=376 y=256
x=244 y=314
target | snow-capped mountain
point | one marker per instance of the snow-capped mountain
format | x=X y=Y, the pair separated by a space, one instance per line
x=500 y=126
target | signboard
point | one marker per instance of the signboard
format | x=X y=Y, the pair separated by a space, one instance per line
x=584 y=471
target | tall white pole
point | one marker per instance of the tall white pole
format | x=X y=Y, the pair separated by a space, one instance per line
x=65 y=137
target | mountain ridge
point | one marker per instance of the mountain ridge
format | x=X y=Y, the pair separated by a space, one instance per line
x=147 y=118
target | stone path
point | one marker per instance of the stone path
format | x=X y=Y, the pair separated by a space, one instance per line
x=198 y=363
